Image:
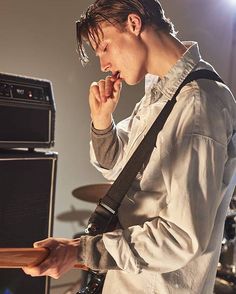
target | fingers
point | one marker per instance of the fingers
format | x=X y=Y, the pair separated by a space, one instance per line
x=38 y=270
x=102 y=85
x=41 y=269
x=105 y=89
x=94 y=90
x=49 y=242
x=108 y=87
x=117 y=87
x=44 y=269
x=62 y=257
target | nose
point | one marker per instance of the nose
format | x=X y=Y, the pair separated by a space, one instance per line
x=104 y=64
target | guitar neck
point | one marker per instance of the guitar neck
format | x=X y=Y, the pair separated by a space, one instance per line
x=22 y=257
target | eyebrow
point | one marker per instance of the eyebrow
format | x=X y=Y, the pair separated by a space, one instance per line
x=96 y=43
x=97 y=46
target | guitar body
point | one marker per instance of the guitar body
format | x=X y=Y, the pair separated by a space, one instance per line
x=95 y=284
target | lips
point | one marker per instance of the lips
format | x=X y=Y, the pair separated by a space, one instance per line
x=116 y=75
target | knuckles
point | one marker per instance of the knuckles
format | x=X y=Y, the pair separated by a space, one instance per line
x=36 y=271
x=103 y=82
x=93 y=85
x=33 y=271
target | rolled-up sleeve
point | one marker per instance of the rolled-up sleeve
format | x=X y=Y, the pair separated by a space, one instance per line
x=94 y=255
x=105 y=145
x=108 y=149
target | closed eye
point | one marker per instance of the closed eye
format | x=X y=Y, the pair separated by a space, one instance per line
x=105 y=48
x=101 y=49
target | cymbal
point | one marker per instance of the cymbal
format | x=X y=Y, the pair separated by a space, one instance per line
x=91 y=193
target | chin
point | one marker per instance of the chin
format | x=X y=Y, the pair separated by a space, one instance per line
x=133 y=82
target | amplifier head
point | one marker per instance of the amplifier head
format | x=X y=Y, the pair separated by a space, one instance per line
x=27 y=112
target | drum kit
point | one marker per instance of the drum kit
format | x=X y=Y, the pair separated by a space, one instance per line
x=226 y=272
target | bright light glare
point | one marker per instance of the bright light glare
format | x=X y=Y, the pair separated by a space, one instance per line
x=233 y=2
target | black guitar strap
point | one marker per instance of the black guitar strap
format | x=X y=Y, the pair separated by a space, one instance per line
x=109 y=204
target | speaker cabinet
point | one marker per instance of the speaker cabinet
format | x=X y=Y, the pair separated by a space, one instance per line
x=27 y=188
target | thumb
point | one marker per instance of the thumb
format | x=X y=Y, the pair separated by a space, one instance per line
x=43 y=243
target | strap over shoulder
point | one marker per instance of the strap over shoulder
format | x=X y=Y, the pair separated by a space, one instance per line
x=197 y=75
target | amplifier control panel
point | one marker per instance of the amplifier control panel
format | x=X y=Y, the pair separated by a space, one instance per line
x=24 y=89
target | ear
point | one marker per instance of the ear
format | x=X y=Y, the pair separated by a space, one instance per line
x=134 y=24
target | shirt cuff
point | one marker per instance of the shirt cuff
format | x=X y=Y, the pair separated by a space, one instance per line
x=93 y=254
x=101 y=132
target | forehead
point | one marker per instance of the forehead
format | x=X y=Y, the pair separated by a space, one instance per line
x=104 y=31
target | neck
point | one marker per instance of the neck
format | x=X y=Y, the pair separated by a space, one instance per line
x=163 y=51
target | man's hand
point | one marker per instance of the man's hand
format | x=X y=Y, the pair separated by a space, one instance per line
x=62 y=257
x=103 y=98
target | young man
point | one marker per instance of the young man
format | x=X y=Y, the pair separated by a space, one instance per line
x=172 y=218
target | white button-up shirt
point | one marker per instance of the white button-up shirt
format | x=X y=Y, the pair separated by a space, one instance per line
x=173 y=216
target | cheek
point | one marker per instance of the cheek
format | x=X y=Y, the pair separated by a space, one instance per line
x=127 y=48
x=135 y=54
x=130 y=58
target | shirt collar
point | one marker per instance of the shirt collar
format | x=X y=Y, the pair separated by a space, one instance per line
x=167 y=86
